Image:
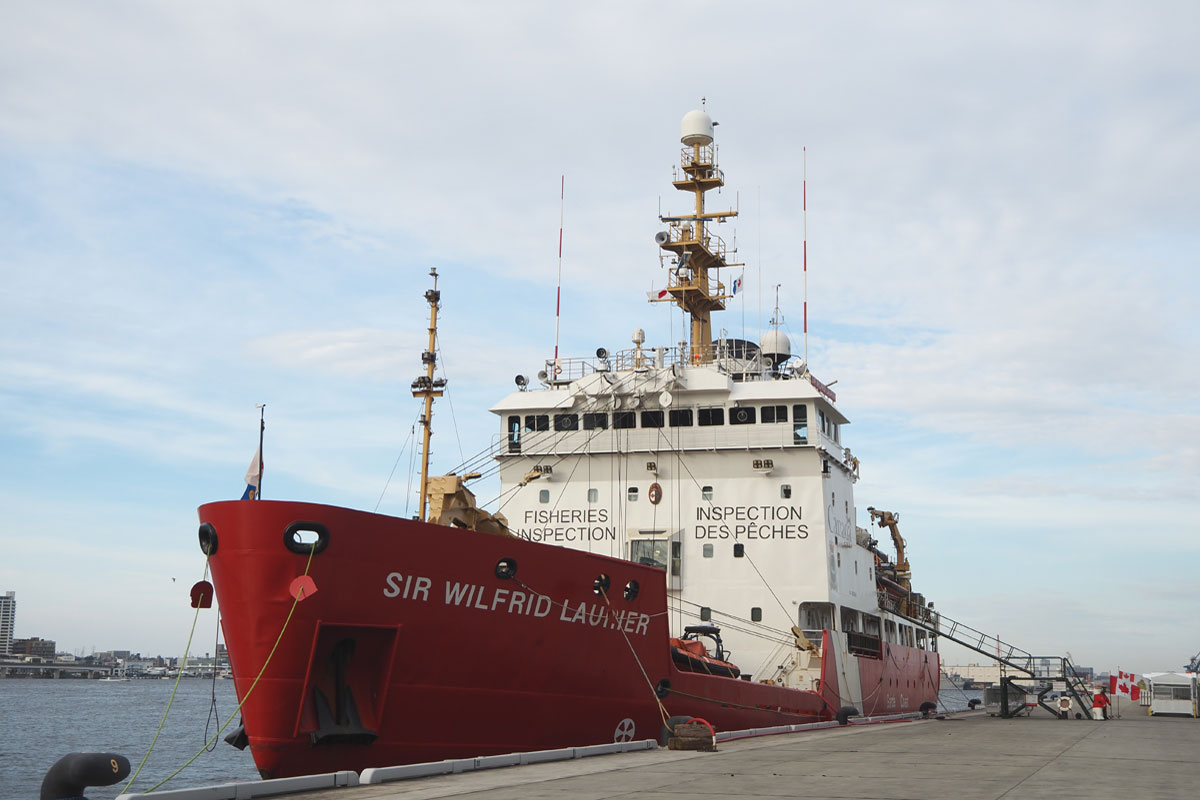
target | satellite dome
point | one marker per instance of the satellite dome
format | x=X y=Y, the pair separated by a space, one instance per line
x=776 y=346
x=697 y=128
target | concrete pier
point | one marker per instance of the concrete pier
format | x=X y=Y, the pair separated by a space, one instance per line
x=968 y=755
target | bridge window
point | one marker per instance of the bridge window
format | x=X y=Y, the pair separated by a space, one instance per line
x=651 y=552
x=800 y=424
x=710 y=416
x=705 y=614
x=633 y=493
x=849 y=620
x=756 y=614
x=816 y=616
x=537 y=422
x=708 y=551
x=680 y=418
x=624 y=419
x=544 y=496
x=593 y=495
x=594 y=422
x=774 y=414
x=652 y=419
x=514 y=434
x=742 y=415
x=706 y=493
x=785 y=491
x=566 y=422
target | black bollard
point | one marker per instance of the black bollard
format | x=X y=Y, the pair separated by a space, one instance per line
x=845 y=713
x=927 y=708
x=74 y=772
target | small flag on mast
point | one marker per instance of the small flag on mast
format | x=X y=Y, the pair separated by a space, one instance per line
x=737 y=284
x=659 y=295
x=253 y=476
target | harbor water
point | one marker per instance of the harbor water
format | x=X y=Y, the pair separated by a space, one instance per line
x=46 y=719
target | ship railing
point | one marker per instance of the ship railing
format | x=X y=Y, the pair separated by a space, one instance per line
x=684 y=232
x=707 y=156
x=728 y=356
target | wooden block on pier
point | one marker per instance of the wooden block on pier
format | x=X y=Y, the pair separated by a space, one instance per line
x=692 y=736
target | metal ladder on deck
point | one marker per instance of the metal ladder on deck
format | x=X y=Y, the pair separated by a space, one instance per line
x=1045 y=670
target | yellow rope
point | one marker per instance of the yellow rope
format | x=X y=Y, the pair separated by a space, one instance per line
x=295 y=602
x=661 y=708
x=174 y=688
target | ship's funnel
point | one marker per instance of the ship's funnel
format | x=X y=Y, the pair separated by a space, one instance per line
x=697 y=128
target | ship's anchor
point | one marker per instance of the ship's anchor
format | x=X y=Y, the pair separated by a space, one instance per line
x=340 y=724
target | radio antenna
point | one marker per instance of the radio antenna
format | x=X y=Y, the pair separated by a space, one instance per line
x=562 y=194
x=804 y=213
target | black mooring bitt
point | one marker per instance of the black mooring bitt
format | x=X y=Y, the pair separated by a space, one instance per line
x=74 y=772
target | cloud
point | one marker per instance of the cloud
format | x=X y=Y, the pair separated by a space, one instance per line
x=206 y=209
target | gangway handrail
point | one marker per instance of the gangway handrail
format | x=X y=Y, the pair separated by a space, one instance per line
x=1036 y=667
x=969 y=637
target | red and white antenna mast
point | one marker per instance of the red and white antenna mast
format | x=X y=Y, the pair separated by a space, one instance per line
x=562 y=194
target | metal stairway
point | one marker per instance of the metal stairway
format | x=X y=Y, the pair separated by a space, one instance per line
x=1044 y=670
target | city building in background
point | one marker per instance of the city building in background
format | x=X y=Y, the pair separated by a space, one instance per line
x=34 y=646
x=8 y=619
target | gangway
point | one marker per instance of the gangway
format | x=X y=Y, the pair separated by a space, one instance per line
x=1044 y=670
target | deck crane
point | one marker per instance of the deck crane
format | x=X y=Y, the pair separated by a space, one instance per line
x=886 y=519
x=1193 y=665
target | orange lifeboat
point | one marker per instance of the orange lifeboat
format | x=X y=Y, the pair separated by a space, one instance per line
x=691 y=655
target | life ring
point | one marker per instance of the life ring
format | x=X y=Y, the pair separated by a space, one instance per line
x=655 y=493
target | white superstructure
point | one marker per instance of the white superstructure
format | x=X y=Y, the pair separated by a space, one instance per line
x=723 y=462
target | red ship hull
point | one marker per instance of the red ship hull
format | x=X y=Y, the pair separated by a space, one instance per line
x=418 y=645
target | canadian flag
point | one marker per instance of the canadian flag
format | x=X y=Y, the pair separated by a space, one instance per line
x=1124 y=683
x=658 y=295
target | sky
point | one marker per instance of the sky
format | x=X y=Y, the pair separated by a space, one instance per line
x=204 y=207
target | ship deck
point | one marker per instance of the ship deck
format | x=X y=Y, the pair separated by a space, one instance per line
x=967 y=755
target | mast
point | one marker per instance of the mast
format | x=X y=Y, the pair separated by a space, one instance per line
x=262 y=427
x=698 y=252
x=426 y=386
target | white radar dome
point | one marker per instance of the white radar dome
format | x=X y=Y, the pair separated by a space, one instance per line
x=697 y=128
x=776 y=346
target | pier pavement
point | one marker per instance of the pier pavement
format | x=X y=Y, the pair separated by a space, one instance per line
x=964 y=756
